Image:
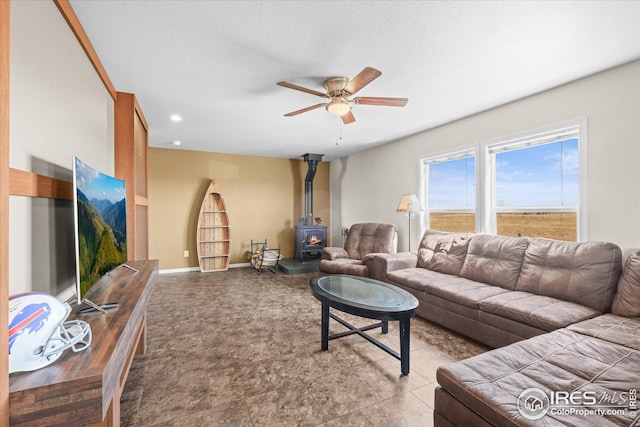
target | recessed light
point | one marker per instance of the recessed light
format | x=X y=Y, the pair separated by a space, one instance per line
x=175 y=142
x=176 y=118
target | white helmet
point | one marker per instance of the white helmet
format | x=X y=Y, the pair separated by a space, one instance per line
x=38 y=333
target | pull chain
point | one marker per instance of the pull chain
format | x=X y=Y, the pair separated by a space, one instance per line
x=339 y=133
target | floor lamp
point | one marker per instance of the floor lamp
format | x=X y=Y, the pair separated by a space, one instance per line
x=409 y=204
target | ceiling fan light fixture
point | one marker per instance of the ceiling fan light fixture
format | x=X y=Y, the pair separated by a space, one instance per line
x=339 y=90
x=338 y=107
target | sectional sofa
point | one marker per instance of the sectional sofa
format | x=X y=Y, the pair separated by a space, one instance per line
x=499 y=290
x=564 y=318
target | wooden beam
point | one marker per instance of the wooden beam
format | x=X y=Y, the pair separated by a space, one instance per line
x=141 y=201
x=74 y=23
x=5 y=57
x=22 y=183
x=124 y=152
x=138 y=111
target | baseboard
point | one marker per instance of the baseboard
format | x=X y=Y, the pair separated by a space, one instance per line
x=188 y=269
x=243 y=264
x=179 y=270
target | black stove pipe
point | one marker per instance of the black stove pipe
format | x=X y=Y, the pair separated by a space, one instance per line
x=312 y=161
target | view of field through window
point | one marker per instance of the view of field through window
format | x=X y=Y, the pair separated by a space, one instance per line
x=551 y=225
x=535 y=187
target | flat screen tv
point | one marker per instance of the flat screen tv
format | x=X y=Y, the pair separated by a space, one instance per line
x=100 y=218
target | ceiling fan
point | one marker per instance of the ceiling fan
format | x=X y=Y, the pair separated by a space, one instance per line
x=339 y=89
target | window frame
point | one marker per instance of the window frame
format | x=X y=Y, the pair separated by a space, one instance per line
x=485 y=172
x=423 y=187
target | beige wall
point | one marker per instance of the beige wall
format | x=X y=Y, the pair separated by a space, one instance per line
x=609 y=100
x=264 y=199
x=59 y=108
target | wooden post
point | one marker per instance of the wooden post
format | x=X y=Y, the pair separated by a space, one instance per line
x=5 y=57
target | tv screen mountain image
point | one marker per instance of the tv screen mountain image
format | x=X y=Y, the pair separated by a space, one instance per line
x=101 y=229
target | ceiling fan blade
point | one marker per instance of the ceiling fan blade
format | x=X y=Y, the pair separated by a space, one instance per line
x=388 y=102
x=365 y=77
x=348 y=118
x=304 y=110
x=302 y=89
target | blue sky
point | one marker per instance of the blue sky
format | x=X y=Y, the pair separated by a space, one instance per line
x=96 y=185
x=540 y=176
x=452 y=184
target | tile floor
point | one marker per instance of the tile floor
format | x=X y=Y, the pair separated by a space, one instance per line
x=236 y=348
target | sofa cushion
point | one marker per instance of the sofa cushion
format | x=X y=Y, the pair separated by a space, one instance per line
x=627 y=299
x=562 y=360
x=495 y=260
x=443 y=252
x=349 y=266
x=451 y=288
x=366 y=238
x=464 y=291
x=585 y=273
x=540 y=311
x=415 y=278
x=610 y=327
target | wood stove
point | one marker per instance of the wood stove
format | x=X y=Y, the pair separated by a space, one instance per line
x=310 y=238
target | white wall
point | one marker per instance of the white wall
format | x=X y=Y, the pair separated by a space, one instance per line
x=59 y=107
x=367 y=186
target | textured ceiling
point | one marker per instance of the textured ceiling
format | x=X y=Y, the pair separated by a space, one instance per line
x=216 y=63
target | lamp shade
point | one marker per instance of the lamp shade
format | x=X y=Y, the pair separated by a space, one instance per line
x=338 y=107
x=409 y=203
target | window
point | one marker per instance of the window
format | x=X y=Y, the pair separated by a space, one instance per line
x=528 y=185
x=451 y=191
x=536 y=190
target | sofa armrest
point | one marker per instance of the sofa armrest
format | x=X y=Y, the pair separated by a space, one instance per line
x=332 y=253
x=380 y=264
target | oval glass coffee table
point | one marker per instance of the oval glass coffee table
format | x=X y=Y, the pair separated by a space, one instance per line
x=368 y=298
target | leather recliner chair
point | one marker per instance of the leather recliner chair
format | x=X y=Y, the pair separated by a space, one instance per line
x=363 y=240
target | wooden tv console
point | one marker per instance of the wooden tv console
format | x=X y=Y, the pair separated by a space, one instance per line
x=84 y=388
